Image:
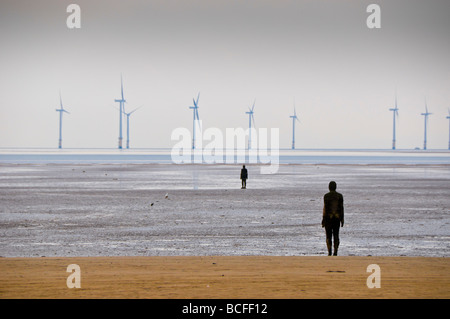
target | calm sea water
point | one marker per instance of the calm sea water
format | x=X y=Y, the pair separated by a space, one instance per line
x=163 y=156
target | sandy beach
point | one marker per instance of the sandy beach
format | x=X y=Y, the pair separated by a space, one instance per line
x=189 y=231
x=226 y=277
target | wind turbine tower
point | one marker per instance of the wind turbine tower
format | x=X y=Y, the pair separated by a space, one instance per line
x=60 y=110
x=121 y=111
x=250 y=120
x=128 y=124
x=448 y=118
x=294 y=118
x=196 y=119
x=395 y=114
x=426 y=114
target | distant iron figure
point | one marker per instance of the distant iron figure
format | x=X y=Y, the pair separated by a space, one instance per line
x=426 y=114
x=60 y=110
x=244 y=177
x=250 y=120
x=395 y=114
x=294 y=118
x=196 y=119
x=121 y=111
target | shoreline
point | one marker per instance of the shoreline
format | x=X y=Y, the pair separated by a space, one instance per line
x=281 y=156
x=225 y=277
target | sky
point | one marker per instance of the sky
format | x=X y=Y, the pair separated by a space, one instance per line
x=342 y=75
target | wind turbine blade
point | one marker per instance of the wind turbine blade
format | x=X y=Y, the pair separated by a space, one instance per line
x=253 y=105
x=196 y=102
x=66 y=111
x=396 y=98
x=295 y=113
x=136 y=109
x=60 y=99
x=121 y=85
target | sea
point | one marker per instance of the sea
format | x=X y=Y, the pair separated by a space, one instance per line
x=165 y=156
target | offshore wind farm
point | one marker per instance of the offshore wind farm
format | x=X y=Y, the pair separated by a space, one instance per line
x=128 y=124
x=121 y=102
x=61 y=110
x=425 y=116
x=294 y=119
x=251 y=119
x=342 y=94
x=395 y=116
x=448 y=118
x=195 y=120
x=197 y=124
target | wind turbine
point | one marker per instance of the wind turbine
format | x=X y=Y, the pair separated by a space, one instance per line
x=128 y=124
x=121 y=111
x=426 y=114
x=196 y=118
x=294 y=117
x=60 y=110
x=250 y=119
x=448 y=118
x=395 y=113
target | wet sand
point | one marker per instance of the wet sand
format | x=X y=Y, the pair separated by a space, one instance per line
x=229 y=277
x=69 y=210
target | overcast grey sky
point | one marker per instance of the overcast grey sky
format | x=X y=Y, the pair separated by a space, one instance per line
x=342 y=74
